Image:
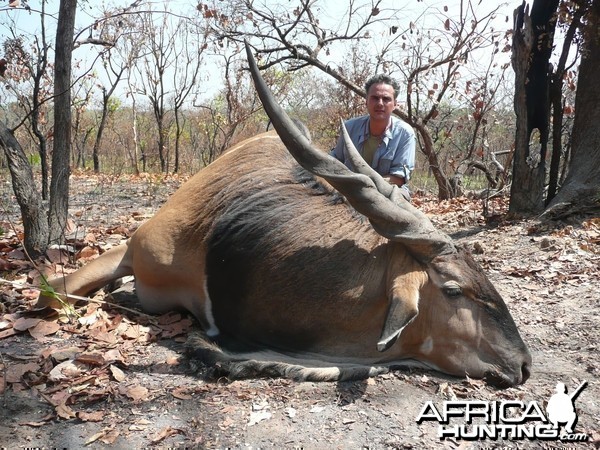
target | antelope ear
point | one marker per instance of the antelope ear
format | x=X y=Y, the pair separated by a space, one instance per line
x=405 y=279
x=401 y=312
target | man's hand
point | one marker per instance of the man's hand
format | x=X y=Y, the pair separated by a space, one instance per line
x=393 y=179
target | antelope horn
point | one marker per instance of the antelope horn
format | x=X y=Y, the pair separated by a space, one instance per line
x=361 y=166
x=387 y=210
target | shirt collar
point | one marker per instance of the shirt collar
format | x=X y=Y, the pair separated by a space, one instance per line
x=386 y=133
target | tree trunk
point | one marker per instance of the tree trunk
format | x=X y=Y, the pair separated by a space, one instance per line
x=177 y=140
x=161 y=143
x=582 y=184
x=42 y=141
x=101 y=125
x=136 y=143
x=134 y=129
x=556 y=87
x=59 y=185
x=34 y=221
x=445 y=189
x=532 y=48
x=556 y=98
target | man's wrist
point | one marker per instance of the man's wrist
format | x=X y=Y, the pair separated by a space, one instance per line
x=395 y=179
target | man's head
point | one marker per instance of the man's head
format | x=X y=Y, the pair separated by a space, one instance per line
x=382 y=79
x=382 y=91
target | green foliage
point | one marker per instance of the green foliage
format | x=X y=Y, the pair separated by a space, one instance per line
x=114 y=104
x=48 y=291
x=35 y=159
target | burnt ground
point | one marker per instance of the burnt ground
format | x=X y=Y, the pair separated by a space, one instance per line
x=113 y=378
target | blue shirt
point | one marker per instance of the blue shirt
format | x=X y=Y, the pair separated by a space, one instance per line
x=396 y=152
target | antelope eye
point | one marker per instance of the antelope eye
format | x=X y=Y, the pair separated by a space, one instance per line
x=452 y=290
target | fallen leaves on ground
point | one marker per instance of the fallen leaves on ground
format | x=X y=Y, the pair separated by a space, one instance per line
x=107 y=339
x=92 y=359
x=69 y=377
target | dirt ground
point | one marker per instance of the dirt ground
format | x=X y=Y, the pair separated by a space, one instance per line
x=113 y=378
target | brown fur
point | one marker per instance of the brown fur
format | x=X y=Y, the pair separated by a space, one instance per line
x=273 y=258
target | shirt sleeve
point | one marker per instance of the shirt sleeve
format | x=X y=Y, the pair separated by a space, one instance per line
x=354 y=127
x=338 y=151
x=403 y=162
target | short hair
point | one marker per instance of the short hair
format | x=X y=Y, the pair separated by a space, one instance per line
x=382 y=78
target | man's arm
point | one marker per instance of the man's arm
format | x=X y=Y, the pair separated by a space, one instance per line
x=404 y=157
x=395 y=179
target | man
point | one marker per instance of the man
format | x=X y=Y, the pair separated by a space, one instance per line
x=386 y=142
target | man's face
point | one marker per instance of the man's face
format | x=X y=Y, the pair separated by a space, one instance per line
x=380 y=102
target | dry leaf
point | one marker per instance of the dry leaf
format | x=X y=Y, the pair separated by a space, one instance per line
x=446 y=390
x=136 y=392
x=64 y=354
x=7 y=333
x=135 y=332
x=96 y=416
x=94 y=438
x=110 y=437
x=15 y=372
x=23 y=323
x=103 y=336
x=113 y=355
x=88 y=253
x=107 y=436
x=64 y=412
x=176 y=328
x=67 y=369
x=30 y=294
x=169 y=318
x=94 y=359
x=181 y=393
x=43 y=329
x=34 y=424
x=90 y=238
x=61 y=397
x=70 y=226
x=165 y=433
x=229 y=421
x=56 y=255
x=140 y=425
x=258 y=416
x=117 y=373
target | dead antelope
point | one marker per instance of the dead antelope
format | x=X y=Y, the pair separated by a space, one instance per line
x=323 y=273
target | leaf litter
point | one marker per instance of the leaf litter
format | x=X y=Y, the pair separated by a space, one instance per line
x=118 y=376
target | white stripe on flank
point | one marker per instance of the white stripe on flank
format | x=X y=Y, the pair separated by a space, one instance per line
x=212 y=330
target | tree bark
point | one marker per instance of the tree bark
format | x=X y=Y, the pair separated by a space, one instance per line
x=446 y=190
x=34 y=221
x=582 y=184
x=555 y=177
x=532 y=48
x=101 y=125
x=59 y=185
x=42 y=141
